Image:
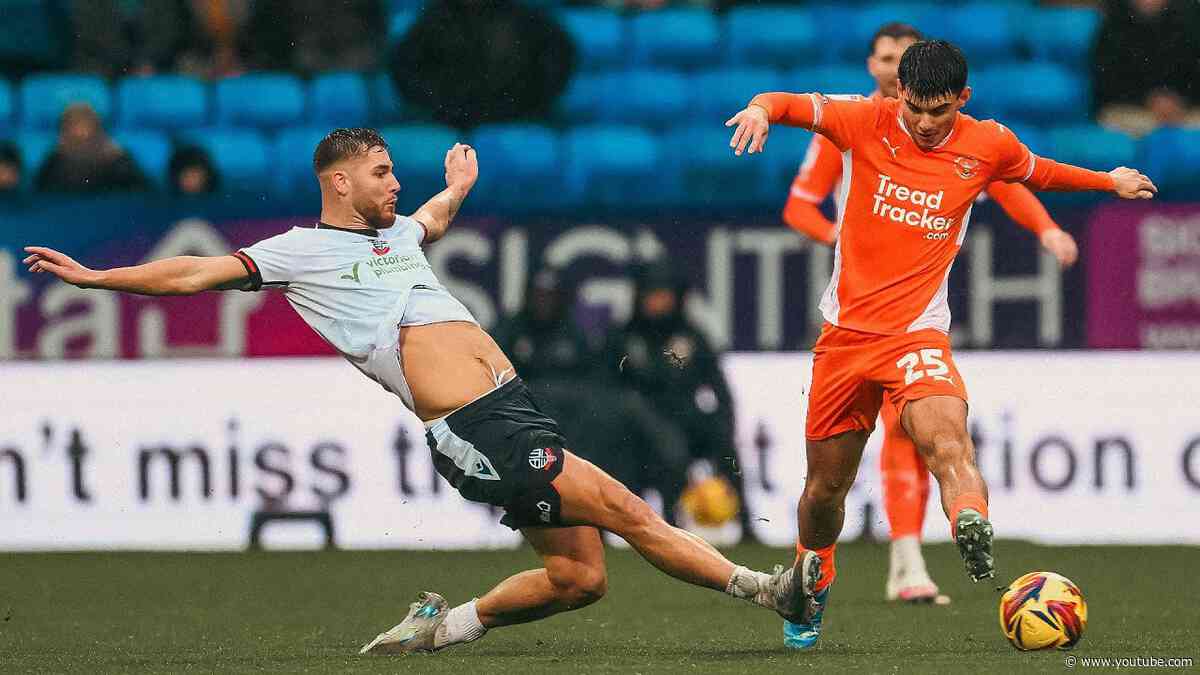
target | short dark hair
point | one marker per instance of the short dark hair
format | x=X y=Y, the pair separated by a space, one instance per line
x=895 y=30
x=343 y=143
x=932 y=69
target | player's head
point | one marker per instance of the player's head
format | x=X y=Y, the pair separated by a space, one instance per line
x=883 y=58
x=355 y=170
x=932 y=89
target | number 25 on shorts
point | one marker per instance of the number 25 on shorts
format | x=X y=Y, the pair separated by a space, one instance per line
x=923 y=363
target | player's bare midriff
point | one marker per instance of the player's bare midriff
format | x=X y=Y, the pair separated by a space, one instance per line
x=448 y=365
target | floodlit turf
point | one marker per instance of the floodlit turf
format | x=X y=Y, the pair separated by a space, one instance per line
x=310 y=612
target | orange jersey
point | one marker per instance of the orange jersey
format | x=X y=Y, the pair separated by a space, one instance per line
x=903 y=212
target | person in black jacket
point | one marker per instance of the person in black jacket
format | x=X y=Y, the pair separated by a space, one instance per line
x=660 y=354
x=86 y=160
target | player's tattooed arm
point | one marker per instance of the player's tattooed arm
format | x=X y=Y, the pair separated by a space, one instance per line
x=181 y=275
x=462 y=169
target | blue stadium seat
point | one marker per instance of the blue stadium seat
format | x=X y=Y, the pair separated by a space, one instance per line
x=419 y=154
x=162 y=102
x=599 y=35
x=292 y=154
x=830 y=80
x=399 y=22
x=709 y=175
x=239 y=155
x=6 y=108
x=34 y=147
x=1092 y=146
x=771 y=36
x=928 y=18
x=520 y=166
x=784 y=153
x=681 y=38
x=1060 y=96
x=837 y=41
x=1171 y=158
x=986 y=32
x=1062 y=34
x=386 y=103
x=262 y=100
x=339 y=100
x=585 y=95
x=1033 y=137
x=44 y=97
x=613 y=166
x=718 y=94
x=150 y=149
x=644 y=96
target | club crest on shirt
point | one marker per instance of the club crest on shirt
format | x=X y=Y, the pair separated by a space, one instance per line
x=966 y=167
x=542 y=458
x=380 y=247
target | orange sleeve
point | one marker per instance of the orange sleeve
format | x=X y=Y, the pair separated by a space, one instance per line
x=838 y=118
x=1022 y=206
x=1018 y=164
x=818 y=174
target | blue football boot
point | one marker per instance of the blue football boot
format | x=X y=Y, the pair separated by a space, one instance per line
x=802 y=625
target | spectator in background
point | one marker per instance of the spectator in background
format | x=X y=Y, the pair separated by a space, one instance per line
x=660 y=354
x=476 y=61
x=192 y=172
x=86 y=159
x=542 y=339
x=1146 y=64
x=316 y=35
x=10 y=169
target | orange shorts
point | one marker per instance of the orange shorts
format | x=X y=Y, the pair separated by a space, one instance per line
x=851 y=370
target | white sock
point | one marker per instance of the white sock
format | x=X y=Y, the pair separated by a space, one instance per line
x=748 y=584
x=906 y=555
x=461 y=625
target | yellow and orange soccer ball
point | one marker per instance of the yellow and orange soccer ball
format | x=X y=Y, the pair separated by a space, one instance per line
x=710 y=502
x=1043 y=610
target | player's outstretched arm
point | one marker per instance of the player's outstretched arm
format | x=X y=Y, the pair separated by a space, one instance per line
x=1126 y=183
x=462 y=169
x=181 y=275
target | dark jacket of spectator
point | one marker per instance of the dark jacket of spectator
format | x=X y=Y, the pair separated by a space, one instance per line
x=1144 y=47
x=542 y=339
x=86 y=159
x=476 y=61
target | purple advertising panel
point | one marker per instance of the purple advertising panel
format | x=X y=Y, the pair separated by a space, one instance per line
x=1144 y=276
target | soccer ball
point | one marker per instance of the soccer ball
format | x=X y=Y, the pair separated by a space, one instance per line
x=710 y=502
x=1042 y=610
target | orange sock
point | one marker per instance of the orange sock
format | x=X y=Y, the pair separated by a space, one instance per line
x=904 y=476
x=966 y=500
x=828 y=569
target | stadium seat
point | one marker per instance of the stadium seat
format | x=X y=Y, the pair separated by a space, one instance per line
x=613 y=166
x=520 y=166
x=1171 y=158
x=644 y=96
x=709 y=175
x=6 y=109
x=419 y=154
x=1033 y=137
x=165 y=102
x=928 y=18
x=262 y=100
x=986 y=32
x=680 y=38
x=717 y=94
x=44 y=97
x=399 y=22
x=292 y=154
x=239 y=155
x=34 y=147
x=1092 y=146
x=386 y=103
x=339 y=100
x=599 y=36
x=585 y=93
x=771 y=36
x=784 y=153
x=1062 y=34
x=830 y=80
x=837 y=41
x=1060 y=97
x=150 y=149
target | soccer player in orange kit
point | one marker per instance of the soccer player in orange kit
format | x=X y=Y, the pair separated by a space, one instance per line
x=911 y=170
x=904 y=476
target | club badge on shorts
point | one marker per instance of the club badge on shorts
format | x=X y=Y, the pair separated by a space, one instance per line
x=542 y=458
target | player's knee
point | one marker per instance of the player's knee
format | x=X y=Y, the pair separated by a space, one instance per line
x=579 y=584
x=629 y=513
x=827 y=489
x=945 y=449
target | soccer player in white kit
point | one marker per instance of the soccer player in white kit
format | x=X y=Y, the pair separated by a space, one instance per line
x=360 y=279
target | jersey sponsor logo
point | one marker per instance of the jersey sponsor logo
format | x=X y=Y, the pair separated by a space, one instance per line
x=542 y=458
x=380 y=247
x=966 y=167
x=394 y=264
x=887 y=191
x=353 y=276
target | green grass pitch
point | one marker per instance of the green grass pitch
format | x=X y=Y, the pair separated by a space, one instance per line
x=310 y=612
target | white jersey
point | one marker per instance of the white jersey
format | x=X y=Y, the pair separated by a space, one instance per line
x=355 y=288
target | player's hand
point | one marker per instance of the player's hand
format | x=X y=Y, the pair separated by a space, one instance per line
x=42 y=259
x=752 y=128
x=1061 y=245
x=1132 y=184
x=462 y=167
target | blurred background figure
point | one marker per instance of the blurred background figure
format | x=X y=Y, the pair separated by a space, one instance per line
x=191 y=172
x=1146 y=64
x=476 y=61
x=315 y=35
x=10 y=169
x=543 y=339
x=660 y=354
x=86 y=159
